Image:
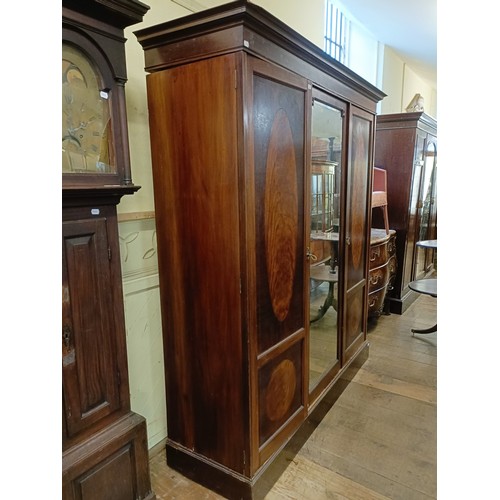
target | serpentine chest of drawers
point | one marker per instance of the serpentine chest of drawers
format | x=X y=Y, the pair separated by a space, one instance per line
x=383 y=267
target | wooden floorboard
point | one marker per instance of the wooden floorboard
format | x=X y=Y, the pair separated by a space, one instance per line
x=376 y=441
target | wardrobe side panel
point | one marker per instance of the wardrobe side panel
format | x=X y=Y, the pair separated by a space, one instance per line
x=193 y=125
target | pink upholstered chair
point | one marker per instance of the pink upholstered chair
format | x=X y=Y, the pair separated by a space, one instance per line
x=379 y=194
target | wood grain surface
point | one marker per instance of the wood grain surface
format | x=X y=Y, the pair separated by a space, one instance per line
x=377 y=441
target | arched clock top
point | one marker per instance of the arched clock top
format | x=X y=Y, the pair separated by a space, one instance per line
x=95 y=144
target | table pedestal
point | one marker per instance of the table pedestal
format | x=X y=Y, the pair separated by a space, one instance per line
x=427 y=287
x=324 y=273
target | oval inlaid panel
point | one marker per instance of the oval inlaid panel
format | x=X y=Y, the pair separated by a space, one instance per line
x=281 y=214
x=280 y=390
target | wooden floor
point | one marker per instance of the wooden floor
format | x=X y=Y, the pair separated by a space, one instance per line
x=377 y=440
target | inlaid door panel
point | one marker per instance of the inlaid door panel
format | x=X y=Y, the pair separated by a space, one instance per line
x=280 y=383
x=90 y=375
x=278 y=134
x=360 y=158
x=277 y=142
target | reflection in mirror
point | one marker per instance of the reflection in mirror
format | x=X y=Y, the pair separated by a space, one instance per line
x=323 y=246
x=427 y=225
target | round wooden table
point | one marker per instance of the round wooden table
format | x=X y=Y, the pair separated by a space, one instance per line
x=427 y=287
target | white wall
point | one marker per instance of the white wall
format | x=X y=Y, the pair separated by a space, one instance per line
x=384 y=68
x=401 y=83
x=363 y=54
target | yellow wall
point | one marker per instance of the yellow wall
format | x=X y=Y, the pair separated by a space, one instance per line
x=137 y=108
x=304 y=17
x=307 y=18
x=401 y=83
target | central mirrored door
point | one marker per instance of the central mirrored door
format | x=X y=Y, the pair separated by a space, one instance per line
x=327 y=158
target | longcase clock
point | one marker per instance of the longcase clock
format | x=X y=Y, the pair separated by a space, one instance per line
x=104 y=443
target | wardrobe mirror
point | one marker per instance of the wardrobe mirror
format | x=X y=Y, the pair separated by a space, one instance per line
x=326 y=173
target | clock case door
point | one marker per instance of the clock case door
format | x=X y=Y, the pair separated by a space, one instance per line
x=104 y=444
x=93 y=355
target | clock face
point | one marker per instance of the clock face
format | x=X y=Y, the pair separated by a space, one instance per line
x=86 y=123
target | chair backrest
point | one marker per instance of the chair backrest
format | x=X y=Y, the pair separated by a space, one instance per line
x=379 y=179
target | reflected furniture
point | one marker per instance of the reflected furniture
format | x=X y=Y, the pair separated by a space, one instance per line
x=325 y=178
x=406 y=147
x=383 y=267
x=234 y=96
x=104 y=443
x=427 y=244
x=326 y=272
x=333 y=250
x=323 y=274
x=379 y=194
x=428 y=287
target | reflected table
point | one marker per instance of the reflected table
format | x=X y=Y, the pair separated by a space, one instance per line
x=333 y=238
x=427 y=287
x=326 y=273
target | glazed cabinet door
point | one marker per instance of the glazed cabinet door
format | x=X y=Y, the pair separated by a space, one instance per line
x=414 y=210
x=91 y=378
x=328 y=158
x=275 y=178
x=427 y=209
x=357 y=232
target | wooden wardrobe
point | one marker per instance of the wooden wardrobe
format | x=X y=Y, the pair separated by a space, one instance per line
x=235 y=97
x=406 y=147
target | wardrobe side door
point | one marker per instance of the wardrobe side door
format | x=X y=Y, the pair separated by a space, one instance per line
x=357 y=231
x=276 y=234
x=194 y=137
